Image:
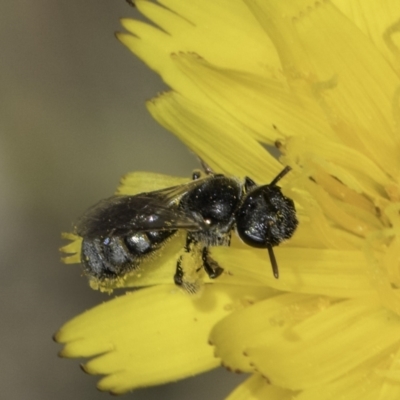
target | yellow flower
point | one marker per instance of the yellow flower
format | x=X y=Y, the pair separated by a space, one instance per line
x=320 y=80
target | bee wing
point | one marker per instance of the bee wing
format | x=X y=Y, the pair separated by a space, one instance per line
x=153 y=211
x=172 y=194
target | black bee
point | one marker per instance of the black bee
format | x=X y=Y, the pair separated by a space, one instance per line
x=121 y=231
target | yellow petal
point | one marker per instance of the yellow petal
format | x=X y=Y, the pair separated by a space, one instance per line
x=267 y=316
x=315 y=229
x=313 y=41
x=389 y=373
x=139 y=182
x=379 y=20
x=196 y=27
x=349 y=165
x=302 y=341
x=261 y=103
x=325 y=346
x=366 y=382
x=257 y=388
x=152 y=46
x=150 y=336
x=328 y=272
x=215 y=137
x=73 y=249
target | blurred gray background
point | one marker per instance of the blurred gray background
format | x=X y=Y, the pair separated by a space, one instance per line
x=72 y=121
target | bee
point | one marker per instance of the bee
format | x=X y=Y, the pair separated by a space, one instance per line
x=120 y=232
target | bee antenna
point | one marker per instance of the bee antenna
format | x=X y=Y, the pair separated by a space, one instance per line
x=206 y=168
x=280 y=176
x=274 y=264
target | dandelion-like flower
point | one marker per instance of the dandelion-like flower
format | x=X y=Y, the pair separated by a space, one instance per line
x=319 y=80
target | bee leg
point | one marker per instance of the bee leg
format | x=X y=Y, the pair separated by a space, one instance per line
x=213 y=270
x=229 y=239
x=178 y=277
x=207 y=169
x=185 y=281
x=179 y=274
x=190 y=243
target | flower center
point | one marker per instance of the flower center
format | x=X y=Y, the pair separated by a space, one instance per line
x=349 y=204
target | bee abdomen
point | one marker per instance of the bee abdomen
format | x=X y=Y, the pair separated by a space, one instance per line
x=107 y=257
x=113 y=257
